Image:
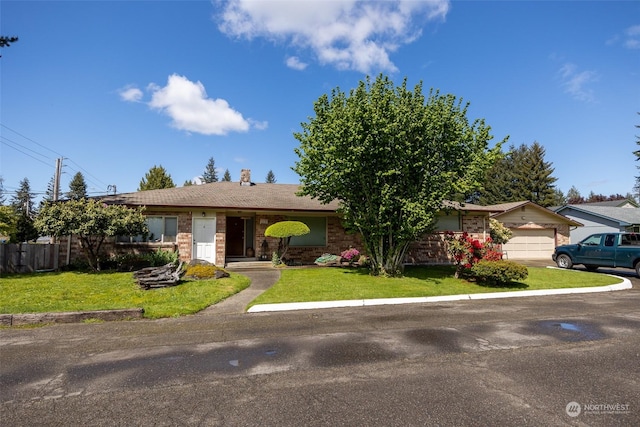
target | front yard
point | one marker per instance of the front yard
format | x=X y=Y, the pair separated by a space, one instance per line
x=74 y=291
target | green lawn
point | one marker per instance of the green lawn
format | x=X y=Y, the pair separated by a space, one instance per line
x=328 y=284
x=74 y=291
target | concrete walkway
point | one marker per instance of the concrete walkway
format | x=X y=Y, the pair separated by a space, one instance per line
x=261 y=280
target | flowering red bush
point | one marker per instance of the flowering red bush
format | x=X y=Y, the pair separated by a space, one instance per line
x=467 y=251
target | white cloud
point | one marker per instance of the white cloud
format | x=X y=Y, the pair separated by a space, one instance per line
x=295 y=63
x=190 y=109
x=260 y=125
x=576 y=82
x=347 y=34
x=630 y=38
x=130 y=94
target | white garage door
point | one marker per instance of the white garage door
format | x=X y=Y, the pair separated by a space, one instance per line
x=530 y=244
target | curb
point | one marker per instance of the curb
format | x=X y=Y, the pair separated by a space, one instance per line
x=260 y=308
x=69 y=317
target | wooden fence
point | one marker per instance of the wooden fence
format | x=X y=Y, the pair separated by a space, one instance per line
x=28 y=257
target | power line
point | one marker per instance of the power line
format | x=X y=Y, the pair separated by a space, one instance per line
x=97 y=182
x=31 y=140
x=9 y=144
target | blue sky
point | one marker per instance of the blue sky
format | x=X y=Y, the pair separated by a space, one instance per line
x=117 y=87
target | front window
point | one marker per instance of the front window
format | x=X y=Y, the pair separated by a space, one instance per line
x=317 y=235
x=162 y=229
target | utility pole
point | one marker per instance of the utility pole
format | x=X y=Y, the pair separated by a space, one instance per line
x=56 y=179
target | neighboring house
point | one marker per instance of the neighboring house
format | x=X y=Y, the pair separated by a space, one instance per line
x=223 y=222
x=622 y=203
x=601 y=219
x=536 y=230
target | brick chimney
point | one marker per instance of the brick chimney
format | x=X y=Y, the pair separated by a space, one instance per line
x=245 y=177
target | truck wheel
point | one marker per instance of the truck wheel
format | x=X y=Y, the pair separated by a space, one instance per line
x=564 y=261
x=638 y=268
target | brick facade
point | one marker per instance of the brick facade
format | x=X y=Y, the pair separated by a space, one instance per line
x=429 y=250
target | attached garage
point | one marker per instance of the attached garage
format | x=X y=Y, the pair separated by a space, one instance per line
x=530 y=244
x=536 y=230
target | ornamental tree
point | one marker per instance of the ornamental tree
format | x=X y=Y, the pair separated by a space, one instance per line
x=92 y=221
x=284 y=230
x=391 y=156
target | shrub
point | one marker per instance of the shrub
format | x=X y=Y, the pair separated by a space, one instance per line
x=498 y=273
x=464 y=249
x=275 y=259
x=160 y=257
x=202 y=271
x=351 y=254
x=499 y=233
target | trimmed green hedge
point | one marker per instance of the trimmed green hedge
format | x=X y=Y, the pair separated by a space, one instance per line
x=498 y=273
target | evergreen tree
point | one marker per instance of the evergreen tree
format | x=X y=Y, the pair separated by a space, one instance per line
x=271 y=178
x=77 y=188
x=540 y=182
x=521 y=175
x=22 y=200
x=25 y=231
x=2 y=197
x=210 y=174
x=187 y=183
x=498 y=183
x=22 y=203
x=48 y=195
x=559 y=199
x=574 y=197
x=157 y=178
x=227 y=176
x=5 y=41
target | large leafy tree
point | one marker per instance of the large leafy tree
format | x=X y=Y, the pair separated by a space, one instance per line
x=157 y=178
x=522 y=174
x=210 y=174
x=77 y=187
x=391 y=156
x=92 y=221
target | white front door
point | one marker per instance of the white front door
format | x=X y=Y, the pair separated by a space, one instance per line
x=204 y=239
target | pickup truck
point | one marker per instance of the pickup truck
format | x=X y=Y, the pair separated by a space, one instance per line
x=601 y=250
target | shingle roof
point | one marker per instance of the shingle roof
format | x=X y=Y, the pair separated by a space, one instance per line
x=612 y=203
x=626 y=216
x=225 y=195
x=232 y=195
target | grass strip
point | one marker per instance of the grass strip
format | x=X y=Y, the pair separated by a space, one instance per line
x=333 y=284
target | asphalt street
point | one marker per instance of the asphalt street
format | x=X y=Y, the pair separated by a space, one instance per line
x=554 y=360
